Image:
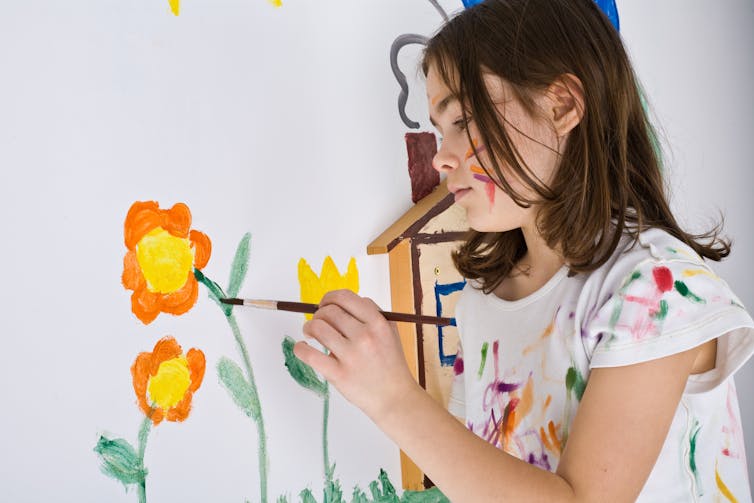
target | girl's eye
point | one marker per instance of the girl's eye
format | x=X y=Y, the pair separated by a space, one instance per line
x=462 y=124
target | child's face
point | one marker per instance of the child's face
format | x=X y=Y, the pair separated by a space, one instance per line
x=488 y=208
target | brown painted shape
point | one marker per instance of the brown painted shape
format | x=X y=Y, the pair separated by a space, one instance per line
x=421 y=148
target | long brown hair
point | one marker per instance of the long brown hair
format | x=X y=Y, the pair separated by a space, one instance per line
x=610 y=173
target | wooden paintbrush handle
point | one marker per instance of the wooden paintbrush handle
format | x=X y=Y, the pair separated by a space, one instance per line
x=301 y=307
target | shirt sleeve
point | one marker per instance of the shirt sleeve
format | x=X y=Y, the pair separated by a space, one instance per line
x=664 y=307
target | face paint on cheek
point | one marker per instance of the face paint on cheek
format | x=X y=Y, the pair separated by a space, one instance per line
x=489 y=186
x=479 y=148
x=480 y=174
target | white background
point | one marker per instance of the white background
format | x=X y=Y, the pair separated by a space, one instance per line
x=282 y=122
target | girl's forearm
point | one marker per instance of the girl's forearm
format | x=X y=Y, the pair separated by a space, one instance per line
x=463 y=466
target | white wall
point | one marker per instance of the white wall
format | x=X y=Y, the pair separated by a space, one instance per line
x=282 y=122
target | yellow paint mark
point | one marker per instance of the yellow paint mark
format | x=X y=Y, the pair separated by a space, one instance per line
x=723 y=488
x=165 y=260
x=314 y=287
x=276 y=3
x=688 y=273
x=175 y=6
x=169 y=386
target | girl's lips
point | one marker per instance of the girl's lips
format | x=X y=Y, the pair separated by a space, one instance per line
x=458 y=194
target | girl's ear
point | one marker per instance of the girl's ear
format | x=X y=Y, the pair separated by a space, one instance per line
x=566 y=103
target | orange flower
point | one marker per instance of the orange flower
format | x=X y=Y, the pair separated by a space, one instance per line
x=166 y=379
x=162 y=254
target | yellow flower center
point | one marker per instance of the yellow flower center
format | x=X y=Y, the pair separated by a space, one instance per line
x=165 y=260
x=169 y=386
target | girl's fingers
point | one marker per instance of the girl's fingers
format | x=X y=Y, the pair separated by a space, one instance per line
x=339 y=320
x=361 y=308
x=327 y=335
x=325 y=364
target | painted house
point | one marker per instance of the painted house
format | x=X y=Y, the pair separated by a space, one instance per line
x=423 y=279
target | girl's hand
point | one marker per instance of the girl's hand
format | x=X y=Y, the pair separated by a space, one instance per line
x=365 y=361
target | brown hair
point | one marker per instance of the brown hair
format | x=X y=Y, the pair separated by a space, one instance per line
x=610 y=172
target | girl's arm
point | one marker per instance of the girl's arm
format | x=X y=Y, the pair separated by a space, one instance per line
x=622 y=421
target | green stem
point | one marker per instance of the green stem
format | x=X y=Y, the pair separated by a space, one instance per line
x=217 y=294
x=259 y=420
x=143 y=433
x=325 y=420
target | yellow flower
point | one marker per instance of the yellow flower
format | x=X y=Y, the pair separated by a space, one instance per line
x=314 y=287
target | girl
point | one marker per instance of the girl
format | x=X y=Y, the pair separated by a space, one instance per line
x=598 y=347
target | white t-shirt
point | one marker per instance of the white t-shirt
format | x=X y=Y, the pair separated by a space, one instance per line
x=523 y=365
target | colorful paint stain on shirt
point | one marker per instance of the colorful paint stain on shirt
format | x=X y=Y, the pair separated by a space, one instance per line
x=681 y=287
x=575 y=382
x=692 y=455
x=485 y=346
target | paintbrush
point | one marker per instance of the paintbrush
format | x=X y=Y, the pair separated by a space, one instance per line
x=301 y=307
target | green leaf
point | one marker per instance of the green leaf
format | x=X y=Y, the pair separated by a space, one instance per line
x=240 y=266
x=120 y=461
x=240 y=390
x=301 y=372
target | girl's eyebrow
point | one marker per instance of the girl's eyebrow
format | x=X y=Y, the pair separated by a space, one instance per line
x=442 y=105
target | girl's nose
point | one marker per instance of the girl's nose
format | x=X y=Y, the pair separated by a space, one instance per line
x=444 y=160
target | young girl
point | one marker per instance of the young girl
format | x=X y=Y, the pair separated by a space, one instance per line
x=598 y=347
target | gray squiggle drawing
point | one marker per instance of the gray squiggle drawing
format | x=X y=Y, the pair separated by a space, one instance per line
x=395 y=48
x=398 y=44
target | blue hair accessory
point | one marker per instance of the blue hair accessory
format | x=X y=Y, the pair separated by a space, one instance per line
x=607 y=6
x=610 y=10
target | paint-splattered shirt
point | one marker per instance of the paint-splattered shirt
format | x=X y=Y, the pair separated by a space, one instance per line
x=523 y=365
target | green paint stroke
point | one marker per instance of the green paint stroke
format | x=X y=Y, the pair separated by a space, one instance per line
x=119 y=460
x=302 y=373
x=240 y=266
x=258 y=419
x=575 y=382
x=618 y=308
x=215 y=292
x=242 y=394
x=681 y=287
x=122 y=462
x=663 y=311
x=305 y=376
x=485 y=347
x=692 y=454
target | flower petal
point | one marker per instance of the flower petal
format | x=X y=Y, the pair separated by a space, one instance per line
x=132 y=277
x=165 y=349
x=145 y=305
x=177 y=220
x=181 y=410
x=140 y=374
x=202 y=248
x=157 y=416
x=197 y=365
x=182 y=300
x=142 y=217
